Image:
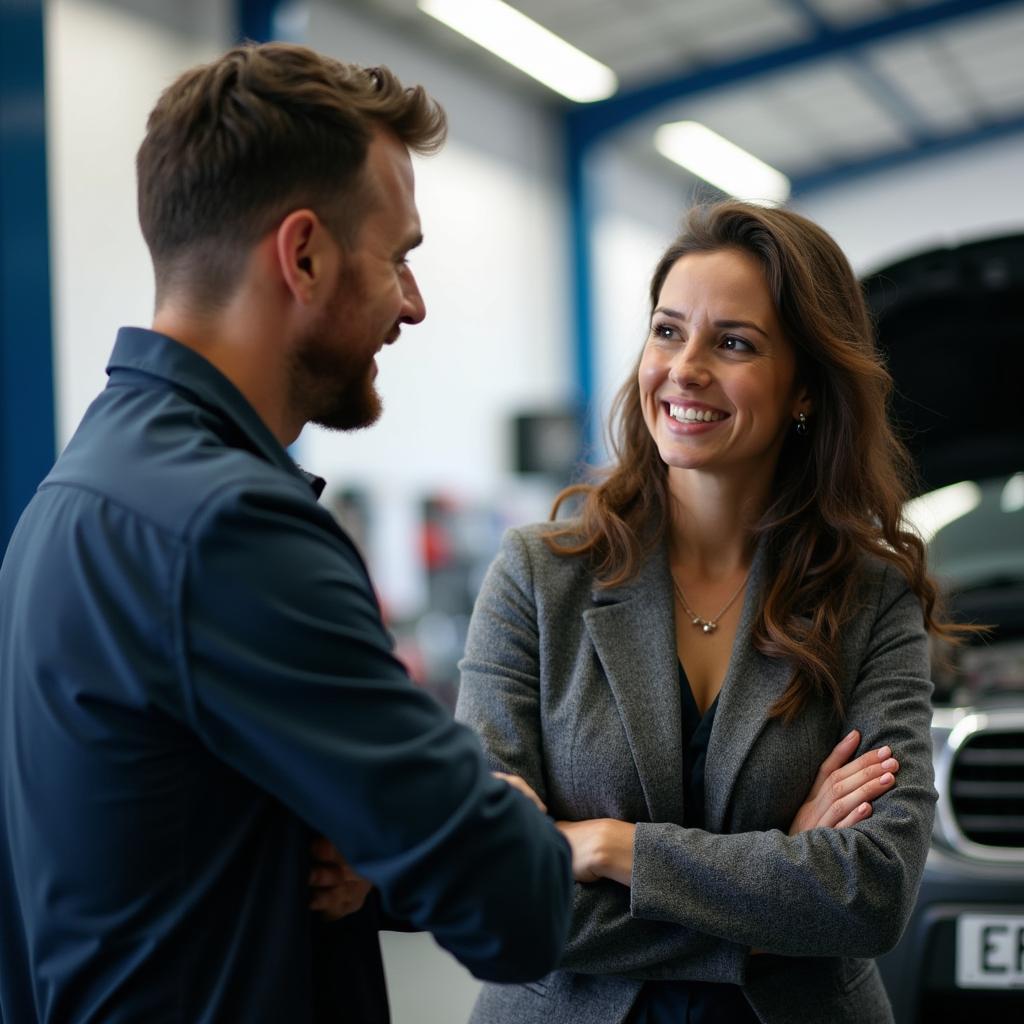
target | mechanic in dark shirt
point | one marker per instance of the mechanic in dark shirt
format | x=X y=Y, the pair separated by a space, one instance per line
x=194 y=676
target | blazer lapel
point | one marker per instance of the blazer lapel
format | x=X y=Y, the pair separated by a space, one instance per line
x=633 y=632
x=753 y=683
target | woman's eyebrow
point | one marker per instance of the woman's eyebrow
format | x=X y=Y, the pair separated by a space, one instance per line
x=741 y=323
x=678 y=315
x=674 y=313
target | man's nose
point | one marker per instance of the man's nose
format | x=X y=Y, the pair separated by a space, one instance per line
x=414 y=309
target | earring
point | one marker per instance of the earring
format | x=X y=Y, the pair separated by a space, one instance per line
x=801 y=425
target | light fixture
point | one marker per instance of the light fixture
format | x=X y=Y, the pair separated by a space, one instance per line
x=721 y=162
x=515 y=38
x=932 y=511
x=1012 y=497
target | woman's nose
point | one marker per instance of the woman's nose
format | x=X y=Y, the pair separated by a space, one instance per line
x=689 y=368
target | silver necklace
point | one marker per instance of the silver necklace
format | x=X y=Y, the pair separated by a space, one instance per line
x=706 y=626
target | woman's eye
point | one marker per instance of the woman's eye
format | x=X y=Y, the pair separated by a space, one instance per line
x=733 y=344
x=663 y=331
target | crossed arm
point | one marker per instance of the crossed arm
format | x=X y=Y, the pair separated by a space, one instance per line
x=841 y=796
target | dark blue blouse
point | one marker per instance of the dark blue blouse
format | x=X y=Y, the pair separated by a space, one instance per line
x=692 y=1002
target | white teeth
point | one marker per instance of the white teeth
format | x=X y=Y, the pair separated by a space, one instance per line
x=691 y=415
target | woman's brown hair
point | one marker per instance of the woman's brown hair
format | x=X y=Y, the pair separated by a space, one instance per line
x=838 y=492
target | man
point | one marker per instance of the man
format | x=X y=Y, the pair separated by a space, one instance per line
x=194 y=676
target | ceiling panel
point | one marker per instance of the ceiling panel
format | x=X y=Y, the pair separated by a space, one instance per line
x=932 y=79
x=829 y=101
x=764 y=26
x=990 y=51
x=662 y=58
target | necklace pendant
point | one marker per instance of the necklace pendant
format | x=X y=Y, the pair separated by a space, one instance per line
x=698 y=621
x=709 y=627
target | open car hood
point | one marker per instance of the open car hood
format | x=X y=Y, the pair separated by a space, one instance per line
x=951 y=323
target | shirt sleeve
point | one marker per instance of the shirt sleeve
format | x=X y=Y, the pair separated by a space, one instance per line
x=288 y=677
x=824 y=892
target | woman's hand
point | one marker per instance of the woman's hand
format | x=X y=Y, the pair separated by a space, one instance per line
x=524 y=787
x=601 y=848
x=843 y=792
x=336 y=889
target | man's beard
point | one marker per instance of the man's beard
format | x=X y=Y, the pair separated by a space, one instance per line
x=329 y=385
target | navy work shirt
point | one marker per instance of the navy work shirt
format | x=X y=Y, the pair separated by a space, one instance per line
x=193 y=676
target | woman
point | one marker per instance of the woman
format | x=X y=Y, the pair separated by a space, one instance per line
x=669 y=669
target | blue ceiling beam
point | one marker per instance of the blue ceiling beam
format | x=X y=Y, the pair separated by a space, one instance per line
x=27 y=415
x=255 y=20
x=848 y=171
x=588 y=122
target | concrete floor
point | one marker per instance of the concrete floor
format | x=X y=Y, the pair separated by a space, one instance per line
x=425 y=984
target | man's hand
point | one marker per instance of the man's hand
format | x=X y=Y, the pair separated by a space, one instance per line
x=844 y=790
x=336 y=889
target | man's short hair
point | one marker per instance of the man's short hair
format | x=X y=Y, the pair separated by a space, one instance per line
x=233 y=146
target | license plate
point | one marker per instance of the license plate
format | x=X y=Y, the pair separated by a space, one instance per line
x=990 y=951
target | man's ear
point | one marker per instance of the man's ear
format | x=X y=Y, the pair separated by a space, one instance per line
x=304 y=251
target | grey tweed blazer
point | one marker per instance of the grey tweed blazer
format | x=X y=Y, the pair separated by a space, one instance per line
x=576 y=690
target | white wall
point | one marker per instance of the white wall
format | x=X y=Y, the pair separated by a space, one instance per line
x=105 y=67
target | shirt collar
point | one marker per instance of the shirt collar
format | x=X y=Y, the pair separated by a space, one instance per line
x=160 y=356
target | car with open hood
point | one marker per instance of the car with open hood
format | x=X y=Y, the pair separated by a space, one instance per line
x=951 y=322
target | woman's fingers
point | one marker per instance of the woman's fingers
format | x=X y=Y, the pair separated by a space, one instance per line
x=841 y=753
x=866 y=763
x=842 y=784
x=843 y=787
x=524 y=787
x=865 y=786
x=859 y=813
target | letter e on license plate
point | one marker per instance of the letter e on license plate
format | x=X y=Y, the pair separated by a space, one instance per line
x=990 y=951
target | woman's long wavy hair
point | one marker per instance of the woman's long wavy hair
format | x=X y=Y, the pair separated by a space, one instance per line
x=838 y=492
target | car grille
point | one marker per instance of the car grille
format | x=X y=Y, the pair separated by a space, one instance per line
x=987 y=788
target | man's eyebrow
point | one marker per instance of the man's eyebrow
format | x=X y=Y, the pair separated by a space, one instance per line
x=677 y=315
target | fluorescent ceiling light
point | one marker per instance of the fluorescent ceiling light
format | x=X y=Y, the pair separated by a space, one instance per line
x=932 y=511
x=514 y=37
x=721 y=162
x=1012 y=498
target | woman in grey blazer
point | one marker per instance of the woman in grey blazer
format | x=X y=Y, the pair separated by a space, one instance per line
x=669 y=668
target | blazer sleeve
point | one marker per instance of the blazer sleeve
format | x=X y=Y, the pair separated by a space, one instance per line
x=288 y=677
x=826 y=891
x=500 y=697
